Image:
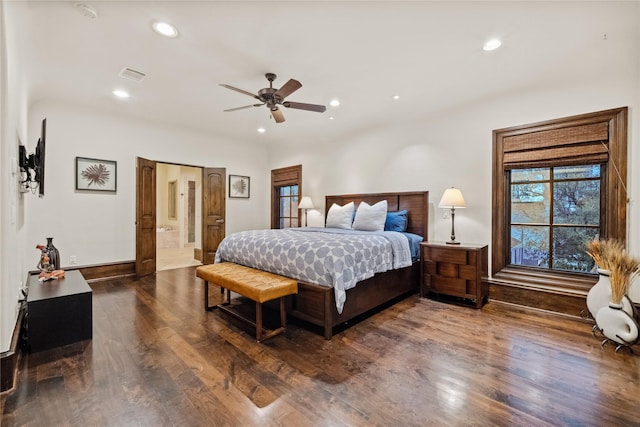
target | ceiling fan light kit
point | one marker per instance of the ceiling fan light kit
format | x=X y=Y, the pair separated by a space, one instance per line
x=272 y=98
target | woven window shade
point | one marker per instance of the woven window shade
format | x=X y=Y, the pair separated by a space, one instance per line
x=576 y=145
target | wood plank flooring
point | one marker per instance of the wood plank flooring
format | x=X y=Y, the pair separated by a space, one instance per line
x=158 y=359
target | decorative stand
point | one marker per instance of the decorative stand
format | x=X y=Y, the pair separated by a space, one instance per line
x=618 y=326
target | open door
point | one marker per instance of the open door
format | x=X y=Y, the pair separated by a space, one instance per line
x=145 y=217
x=213 y=211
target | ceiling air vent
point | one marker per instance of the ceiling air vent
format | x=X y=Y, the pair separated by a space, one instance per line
x=131 y=74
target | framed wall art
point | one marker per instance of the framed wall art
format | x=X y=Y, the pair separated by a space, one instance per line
x=239 y=186
x=96 y=175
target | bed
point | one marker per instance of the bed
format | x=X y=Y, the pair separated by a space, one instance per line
x=327 y=307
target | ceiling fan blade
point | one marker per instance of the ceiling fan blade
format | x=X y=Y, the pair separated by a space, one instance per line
x=303 y=106
x=288 y=88
x=277 y=115
x=240 y=90
x=242 y=108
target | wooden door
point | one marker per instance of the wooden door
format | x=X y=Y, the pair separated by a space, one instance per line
x=213 y=211
x=145 y=217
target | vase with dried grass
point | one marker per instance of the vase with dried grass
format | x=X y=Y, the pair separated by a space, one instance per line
x=615 y=320
x=606 y=254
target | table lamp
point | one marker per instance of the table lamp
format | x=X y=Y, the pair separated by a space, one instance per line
x=452 y=199
x=305 y=203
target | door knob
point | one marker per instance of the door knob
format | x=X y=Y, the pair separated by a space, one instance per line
x=219 y=221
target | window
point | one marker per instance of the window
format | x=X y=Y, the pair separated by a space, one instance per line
x=557 y=184
x=288 y=212
x=554 y=211
x=285 y=184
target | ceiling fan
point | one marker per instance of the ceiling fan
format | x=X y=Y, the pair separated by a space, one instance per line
x=272 y=98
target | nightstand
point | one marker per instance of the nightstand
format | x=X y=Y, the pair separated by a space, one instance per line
x=458 y=271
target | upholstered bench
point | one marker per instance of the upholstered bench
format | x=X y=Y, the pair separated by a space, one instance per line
x=259 y=286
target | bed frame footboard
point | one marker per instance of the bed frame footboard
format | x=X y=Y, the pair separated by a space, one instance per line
x=316 y=304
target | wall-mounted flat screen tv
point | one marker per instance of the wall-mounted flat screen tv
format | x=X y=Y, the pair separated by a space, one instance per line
x=40 y=158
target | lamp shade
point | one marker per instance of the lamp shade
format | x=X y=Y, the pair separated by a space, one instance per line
x=305 y=203
x=452 y=198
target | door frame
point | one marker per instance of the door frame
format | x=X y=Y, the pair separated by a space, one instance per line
x=140 y=273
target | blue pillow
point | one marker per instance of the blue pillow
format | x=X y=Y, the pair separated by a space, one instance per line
x=396 y=221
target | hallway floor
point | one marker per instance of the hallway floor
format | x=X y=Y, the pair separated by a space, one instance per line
x=169 y=258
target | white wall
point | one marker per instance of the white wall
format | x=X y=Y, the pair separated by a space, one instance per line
x=456 y=149
x=100 y=227
x=13 y=125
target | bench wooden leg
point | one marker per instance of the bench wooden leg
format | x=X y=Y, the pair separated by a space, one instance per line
x=207 y=307
x=270 y=333
x=258 y=321
x=283 y=313
x=261 y=333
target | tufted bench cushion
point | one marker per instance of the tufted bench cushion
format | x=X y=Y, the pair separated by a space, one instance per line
x=259 y=286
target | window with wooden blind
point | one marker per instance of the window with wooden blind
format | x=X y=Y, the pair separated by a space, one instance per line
x=285 y=189
x=557 y=184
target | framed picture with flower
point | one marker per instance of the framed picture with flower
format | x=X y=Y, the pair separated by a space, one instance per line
x=96 y=175
x=239 y=186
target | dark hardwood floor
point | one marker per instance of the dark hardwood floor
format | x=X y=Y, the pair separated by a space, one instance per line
x=158 y=359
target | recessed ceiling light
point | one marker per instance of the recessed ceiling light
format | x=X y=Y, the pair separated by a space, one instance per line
x=165 y=29
x=396 y=96
x=121 y=93
x=492 y=45
x=261 y=130
x=334 y=103
x=331 y=117
x=86 y=10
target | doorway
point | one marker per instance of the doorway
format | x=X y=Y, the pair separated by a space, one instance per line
x=178 y=230
x=209 y=211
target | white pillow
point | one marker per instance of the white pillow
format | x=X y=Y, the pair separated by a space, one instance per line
x=340 y=216
x=371 y=218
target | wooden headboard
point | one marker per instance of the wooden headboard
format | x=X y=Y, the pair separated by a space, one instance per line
x=416 y=203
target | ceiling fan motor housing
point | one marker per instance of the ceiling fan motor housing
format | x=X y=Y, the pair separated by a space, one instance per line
x=268 y=96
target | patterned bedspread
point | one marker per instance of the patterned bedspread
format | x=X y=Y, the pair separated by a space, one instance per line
x=324 y=256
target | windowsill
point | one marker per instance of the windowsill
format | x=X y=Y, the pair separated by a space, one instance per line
x=571 y=283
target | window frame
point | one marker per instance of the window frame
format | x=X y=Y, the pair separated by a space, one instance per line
x=291 y=175
x=613 y=223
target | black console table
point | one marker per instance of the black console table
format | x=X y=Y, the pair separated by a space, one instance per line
x=59 y=311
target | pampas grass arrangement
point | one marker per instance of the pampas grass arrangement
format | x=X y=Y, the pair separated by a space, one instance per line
x=603 y=250
x=610 y=255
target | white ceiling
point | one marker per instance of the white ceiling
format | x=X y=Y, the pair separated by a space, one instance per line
x=428 y=53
